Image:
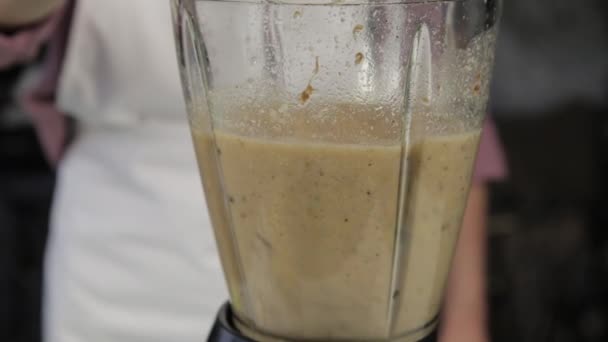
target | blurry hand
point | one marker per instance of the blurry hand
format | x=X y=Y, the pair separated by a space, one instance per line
x=465 y=312
x=20 y=12
x=471 y=333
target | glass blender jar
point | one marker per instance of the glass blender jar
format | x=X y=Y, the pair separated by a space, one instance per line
x=336 y=142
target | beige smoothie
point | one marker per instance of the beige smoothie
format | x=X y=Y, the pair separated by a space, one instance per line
x=307 y=228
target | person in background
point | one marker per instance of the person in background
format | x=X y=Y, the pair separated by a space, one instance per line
x=131 y=256
x=465 y=313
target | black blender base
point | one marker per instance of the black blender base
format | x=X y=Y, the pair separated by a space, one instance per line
x=224 y=331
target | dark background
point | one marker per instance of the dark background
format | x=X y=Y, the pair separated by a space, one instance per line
x=26 y=186
x=548 y=269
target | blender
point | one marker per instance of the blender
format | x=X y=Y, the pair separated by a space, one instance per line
x=336 y=141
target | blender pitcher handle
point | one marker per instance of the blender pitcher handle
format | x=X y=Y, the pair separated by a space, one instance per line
x=190 y=54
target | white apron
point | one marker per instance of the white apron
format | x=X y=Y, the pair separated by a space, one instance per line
x=131 y=255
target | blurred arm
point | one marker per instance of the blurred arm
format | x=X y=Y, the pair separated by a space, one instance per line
x=465 y=312
x=29 y=24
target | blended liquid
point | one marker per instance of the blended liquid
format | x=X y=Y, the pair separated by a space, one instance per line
x=311 y=250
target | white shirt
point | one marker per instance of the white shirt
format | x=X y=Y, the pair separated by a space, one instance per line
x=131 y=255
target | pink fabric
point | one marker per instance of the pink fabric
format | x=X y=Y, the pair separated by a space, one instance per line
x=39 y=102
x=25 y=44
x=491 y=165
x=50 y=123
